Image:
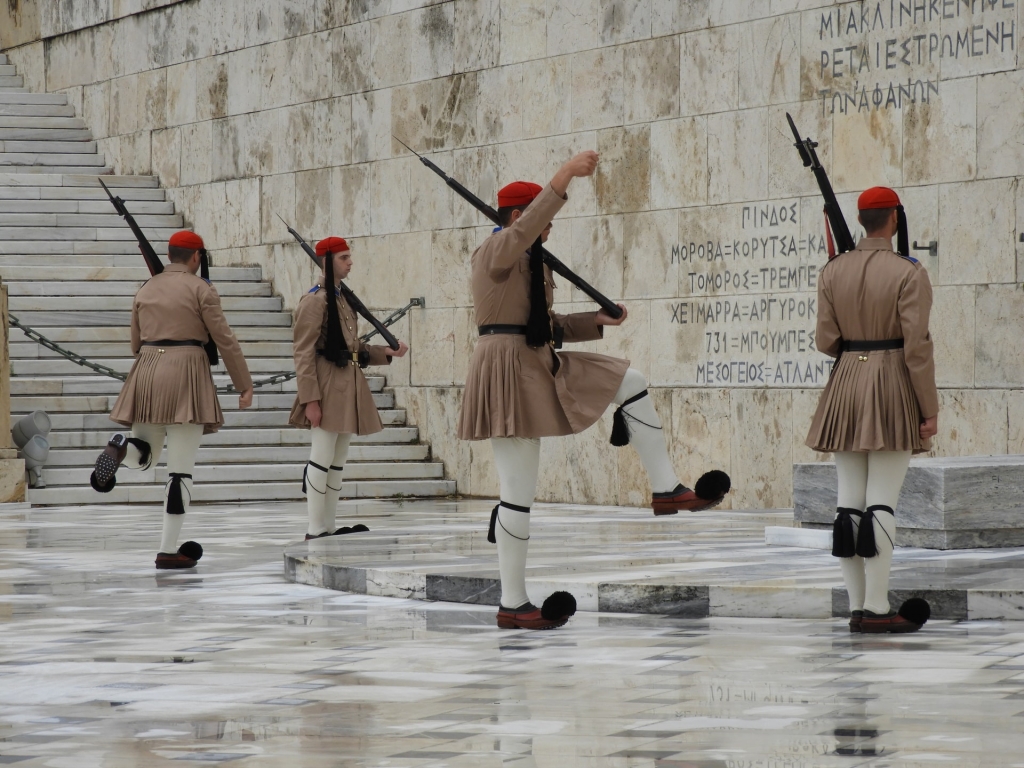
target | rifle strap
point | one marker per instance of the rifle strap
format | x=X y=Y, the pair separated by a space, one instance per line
x=828 y=238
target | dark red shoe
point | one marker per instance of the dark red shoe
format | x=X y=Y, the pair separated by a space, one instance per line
x=187 y=556
x=317 y=536
x=876 y=624
x=681 y=498
x=527 y=617
x=103 y=477
x=856 y=617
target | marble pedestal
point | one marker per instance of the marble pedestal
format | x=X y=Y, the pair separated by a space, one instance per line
x=946 y=503
x=12 y=476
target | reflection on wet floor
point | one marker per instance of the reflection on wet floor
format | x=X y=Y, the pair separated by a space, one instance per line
x=105 y=662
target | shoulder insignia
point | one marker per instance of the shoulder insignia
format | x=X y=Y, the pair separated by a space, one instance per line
x=206 y=281
x=314 y=289
x=911 y=259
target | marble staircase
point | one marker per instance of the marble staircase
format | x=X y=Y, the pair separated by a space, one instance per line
x=72 y=267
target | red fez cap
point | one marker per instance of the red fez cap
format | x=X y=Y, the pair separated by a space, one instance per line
x=877 y=197
x=518 y=193
x=187 y=240
x=332 y=244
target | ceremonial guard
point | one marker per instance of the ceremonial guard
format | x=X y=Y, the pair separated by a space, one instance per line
x=178 y=328
x=880 y=404
x=334 y=400
x=520 y=389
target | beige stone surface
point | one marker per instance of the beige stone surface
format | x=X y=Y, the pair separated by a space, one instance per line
x=12 y=480
x=700 y=218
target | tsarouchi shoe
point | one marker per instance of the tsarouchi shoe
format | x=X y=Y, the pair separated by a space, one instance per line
x=709 y=491
x=187 y=556
x=556 y=611
x=316 y=535
x=855 y=619
x=103 y=478
x=909 y=618
x=357 y=528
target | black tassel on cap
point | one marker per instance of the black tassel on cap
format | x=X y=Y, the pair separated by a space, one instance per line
x=175 y=501
x=212 y=353
x=844 y=537
x=538 y=326
x=902 y=234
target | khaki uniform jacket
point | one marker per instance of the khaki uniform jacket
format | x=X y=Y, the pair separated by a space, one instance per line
x=513 y=390
x=173 y=385
x=875 y=401
x=344 y=395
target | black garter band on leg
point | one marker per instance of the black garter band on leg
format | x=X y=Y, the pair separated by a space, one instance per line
x=866 y=546
x=620 y=428
x=846 y=542
x=305 y=469
x=340 y=469
x=175 y=502
x=495 y=522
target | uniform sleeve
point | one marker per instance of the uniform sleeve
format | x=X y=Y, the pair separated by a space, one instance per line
x=512 y=241
x=136 y=330
x=219 y=330
x=309 y=318
x=578 y=327
x=378 y=355
x=827 y=336
x=915 y=306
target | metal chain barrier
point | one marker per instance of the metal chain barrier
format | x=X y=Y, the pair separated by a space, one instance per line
x=279 y=378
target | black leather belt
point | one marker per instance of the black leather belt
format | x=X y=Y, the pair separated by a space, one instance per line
x=491 y=330
x=871 y=346
x=354 y=355
x=174 y=343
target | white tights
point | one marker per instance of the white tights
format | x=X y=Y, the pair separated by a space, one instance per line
x=518 y=462
x=182 y=444
x=867 y=479
x=323 y=486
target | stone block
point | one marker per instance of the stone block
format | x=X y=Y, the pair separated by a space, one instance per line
x=166 y=156
x=371 y=126
x=1000 y=121
x=390 y=193
x=651 y=80
x=583 y=191
x=573 y=25
x=670 y=17
x=769 y=62
x=597 y=88
x=524 y=33
x=701 y=436
x=431 y=44
x=786 y=174
x=350 y=200
x=867 y=150
x=624 y=21
x=551 y=114
x=390 y=58
x=759 y=418
x=946 y=503
x=500 y=104
x=648 y=268
x=466 y=336
x=952 y=326
x=351 y=57
x=991 y=247
x=433 y=339
x=940 y=136
x=181 y=94
x=312 y=201
x=679 y=162
x=738 y=156
x=450 y=252
x=477 y=36
x=623 y=178
x=972 y=422
x=1000 y=314
x=708 y=78
x=12 y=480
x=597 y=255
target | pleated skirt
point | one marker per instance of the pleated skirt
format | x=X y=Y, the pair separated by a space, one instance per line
x=868 y=405
x=169 y=387
x=346 y=402
x=514 y=390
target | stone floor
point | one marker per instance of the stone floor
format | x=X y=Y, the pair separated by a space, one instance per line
x=105 y=662
x=619 y=559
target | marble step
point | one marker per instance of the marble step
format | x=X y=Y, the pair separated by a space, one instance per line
x=61 y=159
x=50 y=147
x=63 y=386
x=37 y=123
x=95 y=260
x=70 y=457
x=61 y=366
x=67 y=220
x=3 y=58
x=78 y=408
x=112 y=232
x=114 y=334
x=118 y=303
x=228 y=492
x=65 y=249
x=86 y=181
x=58 y=99
x=11 y=81
x=99 y=170
x=8 y=70
x=64 y=319
x=47 y=205
x=30 y=350
x=45 y=134
x=217 y=274
x=270 y=472
x=28 y=191
x=11 y=109
x=114 y=289
x=240 y=437
x=250 y=418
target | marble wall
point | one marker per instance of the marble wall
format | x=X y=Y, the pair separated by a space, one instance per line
x=700 y=218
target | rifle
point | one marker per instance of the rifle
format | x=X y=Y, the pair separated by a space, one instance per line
x=833 y=214
x=550 y=259
x=152 y=260
x=353 y=300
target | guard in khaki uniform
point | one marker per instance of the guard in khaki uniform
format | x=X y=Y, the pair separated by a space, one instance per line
x=169 y=391
x=519 y=389
x=334 y=401
x=880 y=405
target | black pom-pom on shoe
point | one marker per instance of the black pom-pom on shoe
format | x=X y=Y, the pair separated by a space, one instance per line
x=916 y=610
x=102 y=488
x=191 y=549
x=359 y=528
x=559 y=605
x=712 y=485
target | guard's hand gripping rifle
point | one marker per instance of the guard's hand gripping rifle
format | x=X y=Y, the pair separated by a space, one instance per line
x=152 y=260
x=353 y=300
x=550 y=259
x=833 y=215
x=154 y=263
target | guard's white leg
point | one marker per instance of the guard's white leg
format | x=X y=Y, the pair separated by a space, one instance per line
x=182 y=445
x=315 y=479
x=886 y=472
x=518 y=462
x=645 y=432
x=334 y=478
x=852 y=471
x=153 y=434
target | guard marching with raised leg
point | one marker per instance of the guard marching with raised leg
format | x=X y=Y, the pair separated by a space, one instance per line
x=334 y=400
x=880 y=405
x=519 y=389
x=178 y=329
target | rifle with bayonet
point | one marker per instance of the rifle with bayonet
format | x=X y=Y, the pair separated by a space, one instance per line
x=152 y=260
x=550 y=259
x=354 y=301
x=833 y=215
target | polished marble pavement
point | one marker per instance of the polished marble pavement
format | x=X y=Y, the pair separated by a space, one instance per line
x=619 y=559
x=106 y=662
